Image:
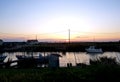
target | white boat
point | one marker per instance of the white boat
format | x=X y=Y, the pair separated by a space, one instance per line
x=92 y=49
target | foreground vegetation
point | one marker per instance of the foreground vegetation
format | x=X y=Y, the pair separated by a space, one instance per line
x=91 y=73
x=100 y=70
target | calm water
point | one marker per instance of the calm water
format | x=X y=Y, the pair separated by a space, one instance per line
x=68 y=57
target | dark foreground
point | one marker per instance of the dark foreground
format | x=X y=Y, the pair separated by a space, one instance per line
x=72 y=74
x=100 y=70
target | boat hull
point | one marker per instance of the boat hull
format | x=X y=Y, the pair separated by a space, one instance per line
x=94 y=51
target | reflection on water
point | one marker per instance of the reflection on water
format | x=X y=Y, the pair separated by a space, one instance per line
x=68 y=57
x=10 y=57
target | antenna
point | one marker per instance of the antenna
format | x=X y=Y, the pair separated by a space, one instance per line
x=69 y=35
x=36 y=37
x=93 y=38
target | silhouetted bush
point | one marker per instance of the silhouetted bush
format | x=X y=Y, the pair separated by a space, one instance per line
x=27 y=63
x=104 y=61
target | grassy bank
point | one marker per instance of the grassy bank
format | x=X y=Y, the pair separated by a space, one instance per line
x=73 y=74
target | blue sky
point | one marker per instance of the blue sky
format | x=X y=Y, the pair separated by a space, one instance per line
x=30 y=17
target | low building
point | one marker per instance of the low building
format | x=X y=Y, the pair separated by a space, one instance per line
x=53 y=60
x=32 y=41
x=1 y=41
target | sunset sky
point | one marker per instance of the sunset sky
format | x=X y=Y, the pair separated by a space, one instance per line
x=50 y=20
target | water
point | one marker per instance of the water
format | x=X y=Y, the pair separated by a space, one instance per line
x=68 y=57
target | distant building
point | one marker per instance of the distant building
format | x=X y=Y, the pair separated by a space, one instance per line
x=32 y=41
x=1 y=41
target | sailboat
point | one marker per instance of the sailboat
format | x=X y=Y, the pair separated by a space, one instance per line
x=92 y=49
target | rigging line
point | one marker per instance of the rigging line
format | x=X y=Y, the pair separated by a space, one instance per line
x=98 y=32
x=52 y=33
x=33 y=34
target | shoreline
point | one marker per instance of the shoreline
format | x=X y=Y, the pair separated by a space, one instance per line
x=58 y=47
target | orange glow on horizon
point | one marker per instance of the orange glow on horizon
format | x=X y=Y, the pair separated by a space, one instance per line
x=63 y=37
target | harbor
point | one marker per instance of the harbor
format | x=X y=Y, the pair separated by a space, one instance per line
x=52 y=59
x=59 y=40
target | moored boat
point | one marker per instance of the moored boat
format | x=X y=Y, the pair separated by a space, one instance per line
x=92 y=49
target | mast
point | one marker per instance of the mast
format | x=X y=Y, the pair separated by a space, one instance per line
x=36 y=37
x=69 y=35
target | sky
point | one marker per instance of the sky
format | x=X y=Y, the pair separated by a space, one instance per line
x=50 y=20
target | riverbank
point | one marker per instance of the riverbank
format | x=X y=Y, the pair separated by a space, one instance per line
x=58 y=47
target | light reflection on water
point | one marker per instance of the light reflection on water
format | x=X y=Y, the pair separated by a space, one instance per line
x=68 y=57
